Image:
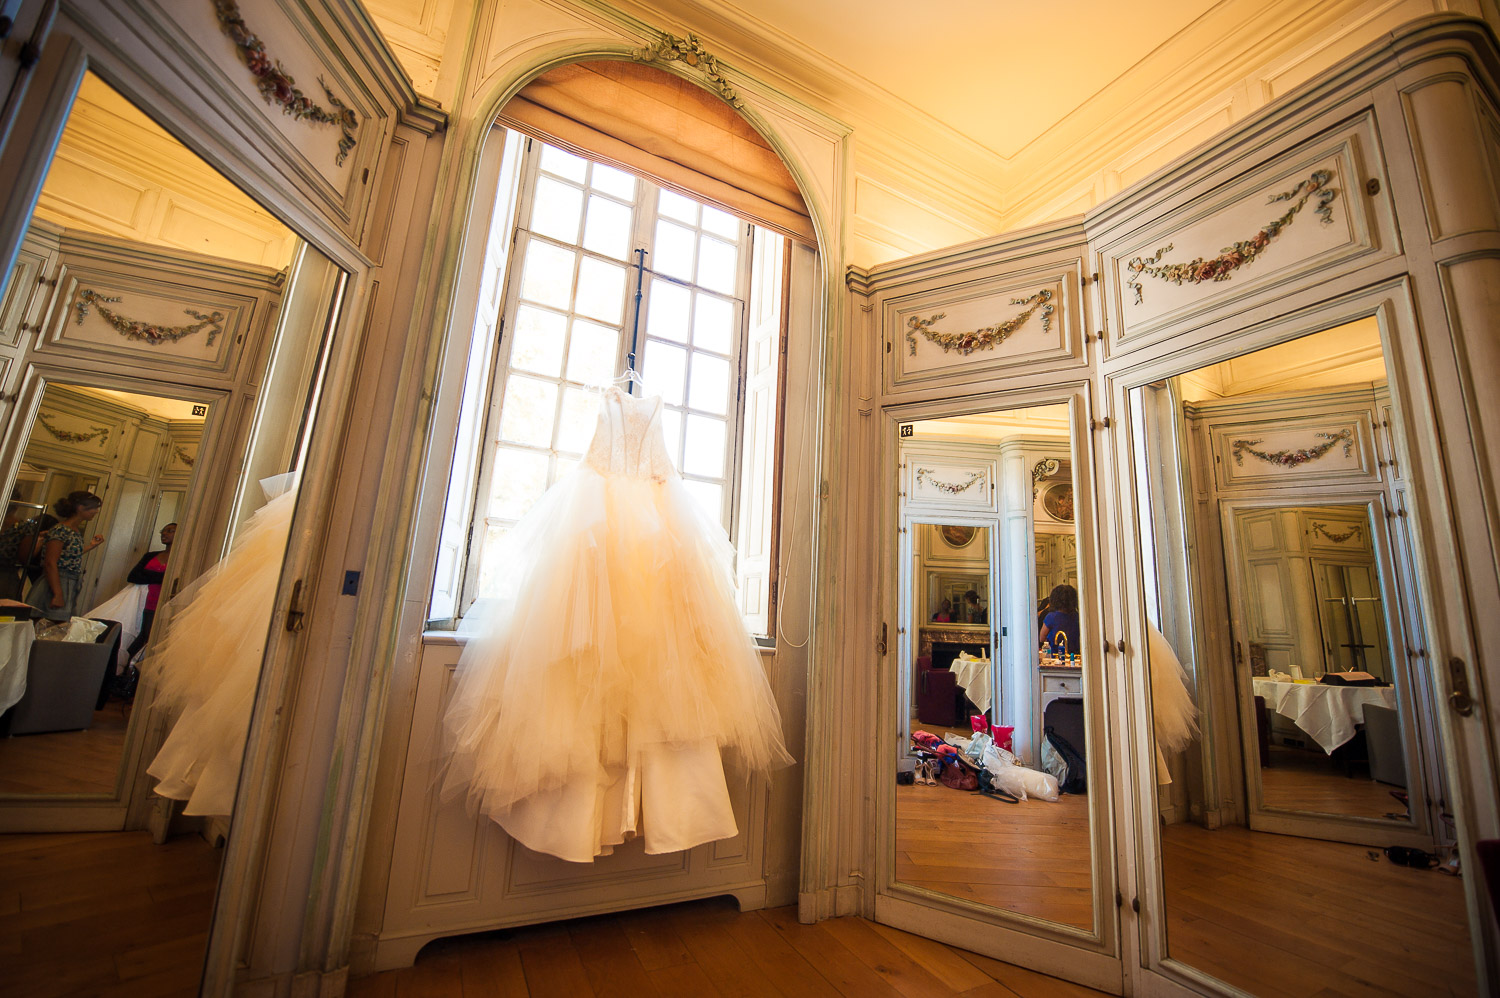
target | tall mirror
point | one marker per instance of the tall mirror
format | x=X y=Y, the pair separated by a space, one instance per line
x=992 y=803
x=1306 y=824
x=162 y=336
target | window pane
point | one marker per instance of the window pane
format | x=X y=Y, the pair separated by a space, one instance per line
x=564 y=164
x=674 y=205
x=612 y=181
x=721 y=223
x=716 y=264
x=674 y=250
x=601 y=290
x=713 y=323
x=592 y=353
x=709 y=496
x=665 y=371
x=520 y=479
x=708 y=389
x=490 y=565
x=548 y=274
x=580 y=414
x=703 y=453
x=527 y=411
x=555 y=210
x=671 y=431
x=667 y=312
x=607 y=230
x=538 y=345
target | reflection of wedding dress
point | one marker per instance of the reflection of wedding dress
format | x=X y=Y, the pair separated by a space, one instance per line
x=1173 y=715
x=613 y=667
x=207 y=660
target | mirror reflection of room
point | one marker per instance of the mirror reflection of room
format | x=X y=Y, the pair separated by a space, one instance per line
x=991 y=796
x=1280 y=592
x=165 y=333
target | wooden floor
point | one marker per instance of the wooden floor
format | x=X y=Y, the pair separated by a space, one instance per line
x=703 y=949
x=1298 y=780
x=104 y=914
x=67 y=762
x=1281 y=915
x=1032 y=857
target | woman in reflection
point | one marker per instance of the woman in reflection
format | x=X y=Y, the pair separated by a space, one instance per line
x=1059 y=631
x=56 y=592
x=17 y=545
x=945 y=614
x=149 y=572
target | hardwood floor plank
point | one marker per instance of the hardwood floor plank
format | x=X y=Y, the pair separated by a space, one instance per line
x=1028 y=983
x=886 y=959
x=702 y=929
x=654 y=939
x=848 y=974
x=611 y=963
x=683 y=980
x=552 y=966
x=937 y=959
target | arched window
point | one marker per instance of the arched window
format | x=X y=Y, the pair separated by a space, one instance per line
x=594 y=266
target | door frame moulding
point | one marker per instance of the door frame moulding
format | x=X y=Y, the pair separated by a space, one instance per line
x=415 y=479
x=139 y=58
x=1390 y=301
x=1091 y=957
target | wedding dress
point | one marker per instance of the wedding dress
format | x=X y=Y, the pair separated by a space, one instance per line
x=603 y=685
x=207 y=659
x=1173 y=713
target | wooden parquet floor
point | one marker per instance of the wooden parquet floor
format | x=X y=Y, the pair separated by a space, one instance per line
x=67 y=762
x=704 y=949
x=1032 y=857
x=104 y=914
x=1310 y=781
x=1287 y=916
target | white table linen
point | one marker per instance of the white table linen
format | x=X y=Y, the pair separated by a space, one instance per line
x=16 y=638
x=974 y=675
x=1327 y=713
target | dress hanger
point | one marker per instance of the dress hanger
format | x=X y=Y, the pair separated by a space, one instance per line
x=630 y=377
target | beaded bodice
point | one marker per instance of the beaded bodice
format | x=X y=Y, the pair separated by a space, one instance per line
x=628 y=439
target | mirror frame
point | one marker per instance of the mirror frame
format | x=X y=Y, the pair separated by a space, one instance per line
x=1090 y=957
x=1390 y=303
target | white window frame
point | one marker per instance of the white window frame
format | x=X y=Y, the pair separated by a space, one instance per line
x=646 y=202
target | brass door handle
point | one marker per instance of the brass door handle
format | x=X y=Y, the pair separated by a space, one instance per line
x=1459 y=697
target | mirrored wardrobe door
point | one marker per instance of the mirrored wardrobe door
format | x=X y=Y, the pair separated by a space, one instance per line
x=164 y=338
x=1303 y=820
x=997 y=814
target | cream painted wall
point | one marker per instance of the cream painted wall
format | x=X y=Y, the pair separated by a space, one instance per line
x=118 y=173
x=970 y=119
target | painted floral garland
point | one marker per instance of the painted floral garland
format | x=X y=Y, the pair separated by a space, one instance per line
x=981 y=339
x=1320 y=528
x=1232 y=258
x=101 y=433
x=183 y=455
x=1293 y=458
x=134 y=329
x=276 y=86
x=925 y=477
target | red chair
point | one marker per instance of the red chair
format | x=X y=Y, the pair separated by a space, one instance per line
x=937 y=695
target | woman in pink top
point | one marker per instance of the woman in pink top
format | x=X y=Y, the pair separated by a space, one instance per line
x=148 y=572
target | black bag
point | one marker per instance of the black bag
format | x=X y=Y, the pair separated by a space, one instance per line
x=1077 y=771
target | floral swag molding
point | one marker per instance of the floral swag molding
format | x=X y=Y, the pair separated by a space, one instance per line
x=689 y=51
x=1322 y=528
x=925 y=476
x=1293 y=458
x=277 y=87
x=152 y=333
x=101 y=433
x=183 y=455
x=1232 y=258
x=981 y=339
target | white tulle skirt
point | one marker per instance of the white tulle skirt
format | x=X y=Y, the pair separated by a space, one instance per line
x=206 y=661
x=600 y=692
x=1174 y=716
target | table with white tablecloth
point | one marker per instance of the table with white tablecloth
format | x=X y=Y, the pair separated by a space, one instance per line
x=1327 y=713
x=15 y=654
x=974 y=675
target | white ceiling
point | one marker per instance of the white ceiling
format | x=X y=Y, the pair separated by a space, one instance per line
x=1344 y=355
x=1000 y=424
x=1000 y=72
x=177 y=410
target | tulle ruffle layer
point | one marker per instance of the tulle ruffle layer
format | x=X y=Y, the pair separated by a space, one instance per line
x=207 y=661
x=616 y=640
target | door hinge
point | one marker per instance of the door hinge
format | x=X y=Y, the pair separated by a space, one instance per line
x=1459 y=697
x=295 y=615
